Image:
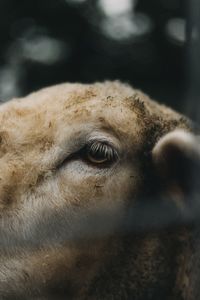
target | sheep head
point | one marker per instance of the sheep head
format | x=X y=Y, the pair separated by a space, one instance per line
x=92 y=178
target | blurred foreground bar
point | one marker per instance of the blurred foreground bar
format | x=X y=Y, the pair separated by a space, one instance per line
x=193 y=32
x=193 y=109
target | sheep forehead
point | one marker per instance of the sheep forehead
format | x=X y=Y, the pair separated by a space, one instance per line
x=65 y=98
x=67 y=103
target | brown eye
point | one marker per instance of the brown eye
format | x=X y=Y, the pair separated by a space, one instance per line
x=101 y=153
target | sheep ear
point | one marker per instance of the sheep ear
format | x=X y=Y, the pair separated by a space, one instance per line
x=177 y=160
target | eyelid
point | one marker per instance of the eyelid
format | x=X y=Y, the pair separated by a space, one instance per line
x=102 y=139
x=99 y=146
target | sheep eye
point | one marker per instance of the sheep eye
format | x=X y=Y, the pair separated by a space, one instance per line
x=100 y=153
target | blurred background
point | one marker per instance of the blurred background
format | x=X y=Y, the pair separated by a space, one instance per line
x=142 y=42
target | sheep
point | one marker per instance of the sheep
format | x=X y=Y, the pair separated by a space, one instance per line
x=98 y=196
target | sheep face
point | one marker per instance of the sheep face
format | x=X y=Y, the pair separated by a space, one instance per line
x=81 y=166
